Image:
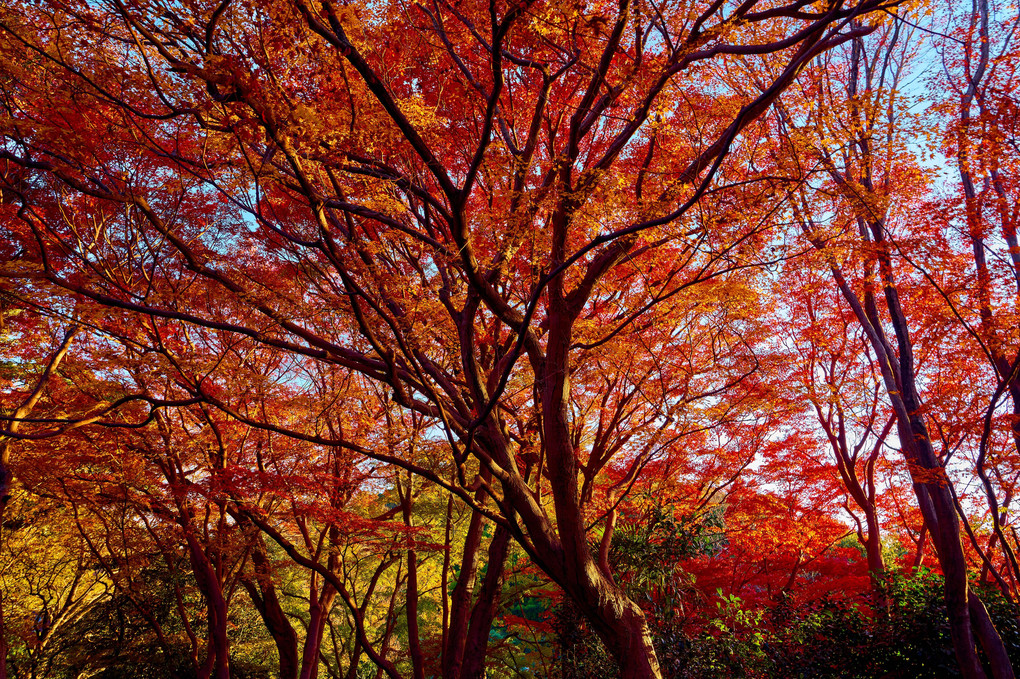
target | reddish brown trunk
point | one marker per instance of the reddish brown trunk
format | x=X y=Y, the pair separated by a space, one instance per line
x=279 y=628
x=217 y=662
x=954 y=568
x=444 y=580
x=873 y=549
x=318 y=611
x=930 y=481
x=998 y=659
x=264 y=597
x=621 y=625
x=939 y=509
x=484 y=611
x=460 y=601
x=5 y=495
x=411 y=606
x=617 y=620
x=413 y=635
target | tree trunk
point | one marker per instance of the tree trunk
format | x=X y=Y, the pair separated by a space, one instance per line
x=622 y=626
x=411 y=607
x=267 y=602
x=217 y=663
x=930 y=480
x=279 y=628
x=617 y=620
x=873 y=548
x=320 y=606
x=318 y=611
x=460 y=601
x=997 y=656
x=484 y=611
x=5 y=496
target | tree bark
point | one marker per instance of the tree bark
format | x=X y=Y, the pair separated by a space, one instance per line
x=279 y=628
x=460 y=601
x=477 y=641
x=930 y=481
x=263 y=595
x=411 y=604
x=5 y=495
x=217 y=663
x=622 y=626
x=996 y=653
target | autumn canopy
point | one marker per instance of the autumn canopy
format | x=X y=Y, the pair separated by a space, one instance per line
x=538 y=338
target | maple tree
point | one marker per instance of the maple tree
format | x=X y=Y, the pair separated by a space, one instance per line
x=400 y=295
x=27 y=401
x=871 y=181
x=981 y=284
x=432 y=197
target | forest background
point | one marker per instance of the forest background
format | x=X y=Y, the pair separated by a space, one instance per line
x=527 y=338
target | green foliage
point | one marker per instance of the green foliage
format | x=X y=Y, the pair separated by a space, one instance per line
x=646 y=548
x=901 y=632
x=646 y=554
x=117 y=639
x=579 y=652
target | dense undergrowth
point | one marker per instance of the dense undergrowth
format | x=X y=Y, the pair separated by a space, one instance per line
x=901 y=631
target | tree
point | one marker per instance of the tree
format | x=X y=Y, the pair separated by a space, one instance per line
x=465 y=203
x=869 y=180
x=47 y=583
x=977 y=115
x=15 y=417
x=837 y=375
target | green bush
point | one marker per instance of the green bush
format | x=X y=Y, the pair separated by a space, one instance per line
x=901 y=632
